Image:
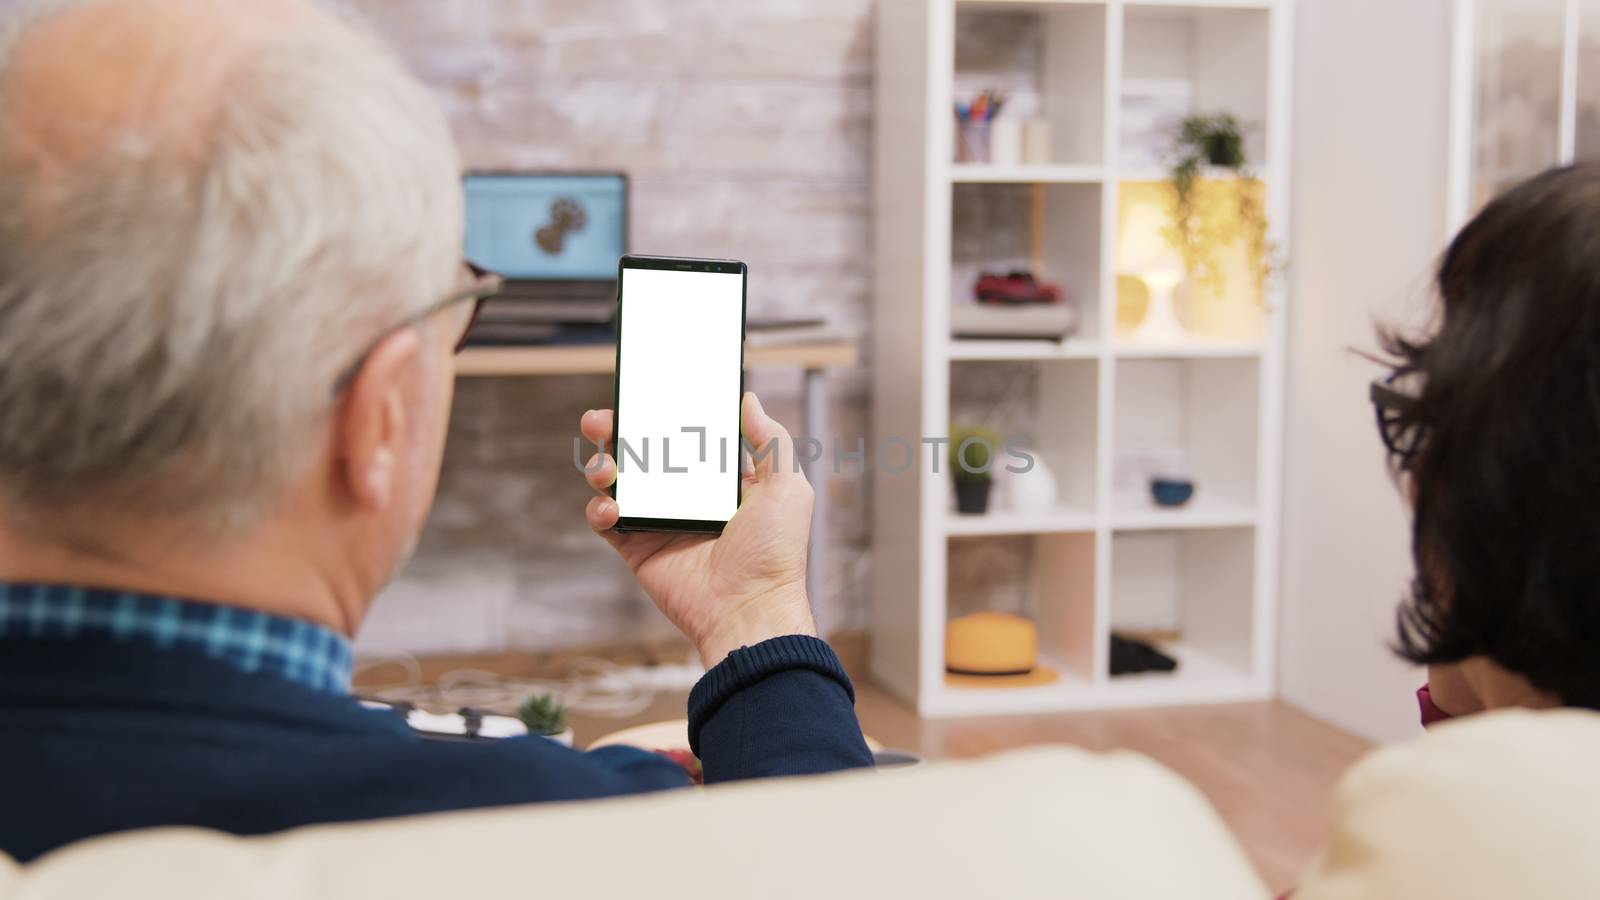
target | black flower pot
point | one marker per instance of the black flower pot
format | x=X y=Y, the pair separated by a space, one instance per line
x=1225 y=150
x=972 y=495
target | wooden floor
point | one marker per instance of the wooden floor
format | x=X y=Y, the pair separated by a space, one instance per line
x=1268 y=768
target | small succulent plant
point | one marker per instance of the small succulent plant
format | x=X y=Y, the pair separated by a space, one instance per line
x=972 y=452
x=543 y=714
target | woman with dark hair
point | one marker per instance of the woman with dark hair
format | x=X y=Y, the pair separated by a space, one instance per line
x=1493 y=427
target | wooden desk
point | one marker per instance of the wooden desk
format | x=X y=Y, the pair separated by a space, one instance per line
x=600 y=359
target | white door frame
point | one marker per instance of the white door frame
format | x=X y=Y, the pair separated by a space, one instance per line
x=1463 y=81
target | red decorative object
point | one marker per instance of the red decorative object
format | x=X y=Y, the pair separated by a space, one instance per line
x=1015 y=289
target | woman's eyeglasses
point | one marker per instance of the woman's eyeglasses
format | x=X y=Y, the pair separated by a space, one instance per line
x=482 y=284
x=1394 y=398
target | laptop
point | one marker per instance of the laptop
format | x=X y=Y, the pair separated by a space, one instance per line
x=556 y=237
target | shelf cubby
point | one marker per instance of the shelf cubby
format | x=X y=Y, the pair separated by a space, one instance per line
x=1051 y=230
x=1047 y=578
x=1036 y=408
x=1217 y=323
x=1181 y=59
x=1193 y=418
x=1049 y=59
x=1192 y=594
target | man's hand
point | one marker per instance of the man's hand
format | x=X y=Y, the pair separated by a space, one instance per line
x=736 y=589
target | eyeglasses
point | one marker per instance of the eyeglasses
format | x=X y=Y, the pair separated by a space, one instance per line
x=483 y=284
x=1395 y=400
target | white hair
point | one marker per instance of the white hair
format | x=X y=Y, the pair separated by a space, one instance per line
x=175 y=312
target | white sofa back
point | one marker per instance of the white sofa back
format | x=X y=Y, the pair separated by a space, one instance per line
x=1490 y=807
x=1049 y=822
x=1497 y=806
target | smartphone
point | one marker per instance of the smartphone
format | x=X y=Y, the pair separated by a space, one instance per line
x=680 y=381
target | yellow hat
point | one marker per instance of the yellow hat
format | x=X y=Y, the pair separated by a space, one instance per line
x=993 y=649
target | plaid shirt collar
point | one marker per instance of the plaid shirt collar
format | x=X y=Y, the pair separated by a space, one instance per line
x=252 y=641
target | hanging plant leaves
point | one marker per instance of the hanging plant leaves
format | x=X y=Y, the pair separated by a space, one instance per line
x=1202 y=223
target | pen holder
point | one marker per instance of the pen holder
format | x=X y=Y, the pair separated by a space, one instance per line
x=1036 y=149
x=1005 y=141
x=972 y=142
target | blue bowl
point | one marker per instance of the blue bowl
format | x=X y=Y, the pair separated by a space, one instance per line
x=1171 y=492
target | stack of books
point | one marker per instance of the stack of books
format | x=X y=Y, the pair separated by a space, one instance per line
x=1035 y=321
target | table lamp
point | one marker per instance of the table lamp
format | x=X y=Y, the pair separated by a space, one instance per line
x=1144 y=253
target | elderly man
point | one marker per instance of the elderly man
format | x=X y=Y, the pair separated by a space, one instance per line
x=230 y=288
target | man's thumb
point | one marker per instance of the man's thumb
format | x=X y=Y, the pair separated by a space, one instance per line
x=768 y=439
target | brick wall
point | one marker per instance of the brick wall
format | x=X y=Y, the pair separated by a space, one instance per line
x=746 y=129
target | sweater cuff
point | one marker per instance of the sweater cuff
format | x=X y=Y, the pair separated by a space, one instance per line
x=748 y=666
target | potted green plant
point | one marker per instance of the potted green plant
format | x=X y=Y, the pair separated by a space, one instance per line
x=546 y=716
x=972 y=466
x=1202 y=226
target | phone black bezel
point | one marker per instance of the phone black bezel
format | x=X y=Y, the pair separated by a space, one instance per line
x=685 y=264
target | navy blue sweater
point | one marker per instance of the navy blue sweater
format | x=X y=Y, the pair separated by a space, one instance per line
x=104 y=737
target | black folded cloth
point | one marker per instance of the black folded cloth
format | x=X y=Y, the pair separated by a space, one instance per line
x=1130 y=656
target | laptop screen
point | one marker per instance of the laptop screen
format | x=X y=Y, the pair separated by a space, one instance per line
x=547 y=227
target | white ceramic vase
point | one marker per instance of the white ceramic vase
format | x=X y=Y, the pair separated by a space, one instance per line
x=1035 y=490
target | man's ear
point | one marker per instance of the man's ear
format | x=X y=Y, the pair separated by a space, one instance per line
x=371 y=431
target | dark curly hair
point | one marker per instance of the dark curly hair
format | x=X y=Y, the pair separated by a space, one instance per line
x=1502 y=443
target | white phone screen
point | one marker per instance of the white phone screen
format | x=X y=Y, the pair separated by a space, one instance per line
x=679 y=380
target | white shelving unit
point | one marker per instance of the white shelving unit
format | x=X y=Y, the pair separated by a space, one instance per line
x=1202 y=576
